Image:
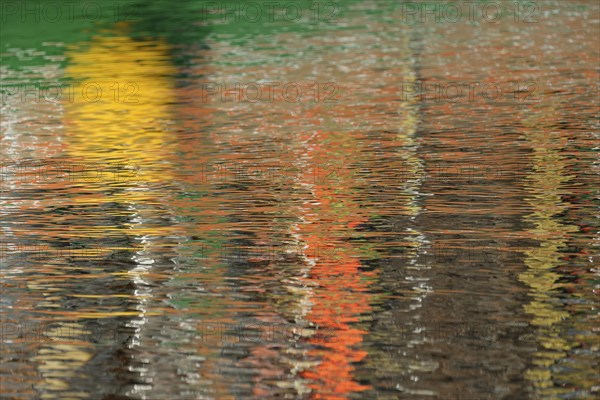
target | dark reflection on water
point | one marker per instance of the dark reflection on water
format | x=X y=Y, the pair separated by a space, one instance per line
x=165 y=235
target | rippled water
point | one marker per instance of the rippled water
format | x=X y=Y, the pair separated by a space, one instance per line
x=166 y=236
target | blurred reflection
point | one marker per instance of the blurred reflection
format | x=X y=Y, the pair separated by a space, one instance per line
x=547 y=185
x=341 y=198
x=123 y=124
x=339 y=289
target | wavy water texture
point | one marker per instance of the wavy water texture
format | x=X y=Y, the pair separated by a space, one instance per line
x=169 y=233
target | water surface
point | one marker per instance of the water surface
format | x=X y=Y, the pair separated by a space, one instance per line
x=167 y=236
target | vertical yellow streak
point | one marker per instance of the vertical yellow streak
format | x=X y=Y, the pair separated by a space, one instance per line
x=545 y=183
x=120 y=107
x=117 y=114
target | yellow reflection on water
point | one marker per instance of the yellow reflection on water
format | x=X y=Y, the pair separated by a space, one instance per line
x=408 y=202
x=545 y=184
x=121 y=113
x=117 y=115
x=60 y=360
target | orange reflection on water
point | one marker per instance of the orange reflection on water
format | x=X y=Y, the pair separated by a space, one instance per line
x=340 y=295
